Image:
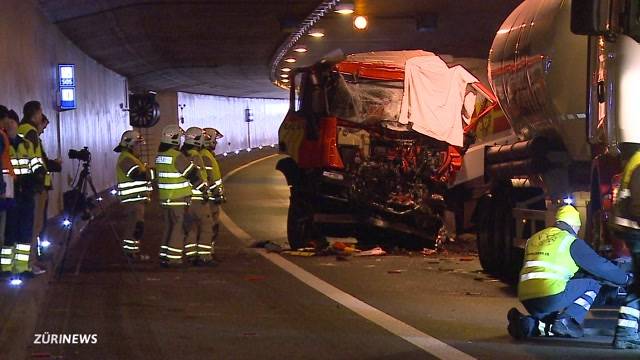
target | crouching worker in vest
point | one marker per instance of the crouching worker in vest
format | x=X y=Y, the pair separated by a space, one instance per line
x=214 y=179
x=556 y=300
x=175 y=177
x=198 y=247
x=134 y=188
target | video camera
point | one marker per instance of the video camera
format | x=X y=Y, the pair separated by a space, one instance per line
x=82 y=155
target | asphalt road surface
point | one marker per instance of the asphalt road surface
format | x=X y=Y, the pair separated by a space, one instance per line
x=259 y=305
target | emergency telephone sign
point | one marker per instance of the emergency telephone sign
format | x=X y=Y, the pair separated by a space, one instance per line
x=67 y=86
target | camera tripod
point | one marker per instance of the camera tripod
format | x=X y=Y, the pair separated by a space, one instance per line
x=82 y=206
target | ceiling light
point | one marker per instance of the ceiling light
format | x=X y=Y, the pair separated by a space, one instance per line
x=290 y=60
x=284 y=76
x=344 y=8
x=360 y=22
x=301 y=49
x=316 y=33
x=286 y=69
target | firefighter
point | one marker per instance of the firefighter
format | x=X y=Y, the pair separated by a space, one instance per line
x=214 y=178
x=556 y=298
x=175 y=176
x=134 y=187
x=198 y=224
x=625 y=226
x=20 y=216
x=6 y=260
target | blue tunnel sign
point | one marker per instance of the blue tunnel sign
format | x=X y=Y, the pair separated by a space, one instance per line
x=67 y=86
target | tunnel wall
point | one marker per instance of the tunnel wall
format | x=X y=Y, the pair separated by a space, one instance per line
x=227 y=114
x=30 y=49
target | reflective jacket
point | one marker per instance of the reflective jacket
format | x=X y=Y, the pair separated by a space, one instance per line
x=173 y=168
x=548 y=264
x=7 y=166
x=196 y=192
x=37 y=160
x=131 y=189
x=624 y=219
x=214 y=176
x=21 y=156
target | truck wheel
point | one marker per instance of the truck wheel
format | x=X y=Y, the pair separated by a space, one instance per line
x=489 y=241
x=299 y=224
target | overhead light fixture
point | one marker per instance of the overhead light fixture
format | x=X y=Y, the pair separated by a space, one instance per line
x=284 y=76
x=360 y=22
x=345 y=8
x=285 y=69
x=290 y=60
x=301 y=49
x=316 y=32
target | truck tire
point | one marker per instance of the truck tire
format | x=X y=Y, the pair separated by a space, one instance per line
x=299 y=224
x=489 y=242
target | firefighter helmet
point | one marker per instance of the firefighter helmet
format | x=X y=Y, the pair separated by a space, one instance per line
x=211 y=136
x=130 y=138
x=194 y=136
x=171 y=134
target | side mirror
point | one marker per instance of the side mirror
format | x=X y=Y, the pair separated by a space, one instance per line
x=591 y=17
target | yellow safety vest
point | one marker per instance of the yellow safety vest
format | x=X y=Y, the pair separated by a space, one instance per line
x=36 y=160
x=621 y=220
x=548 y=264
x=173 y=188
x=130 y=190
x=20 y=158
x=196 y=192
x=214 y=176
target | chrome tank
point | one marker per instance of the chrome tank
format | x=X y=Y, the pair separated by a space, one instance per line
x=538 y=70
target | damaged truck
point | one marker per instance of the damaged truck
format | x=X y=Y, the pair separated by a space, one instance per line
x=374 y=144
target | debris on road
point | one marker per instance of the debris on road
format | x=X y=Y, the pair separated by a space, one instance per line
x=270 y=246
x=376 y=251
x=300 y=252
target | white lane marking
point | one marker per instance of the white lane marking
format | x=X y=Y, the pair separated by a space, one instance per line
x=407 y=332
x=247 y=165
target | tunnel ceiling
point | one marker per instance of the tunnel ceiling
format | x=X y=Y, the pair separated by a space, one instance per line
x=224 y=47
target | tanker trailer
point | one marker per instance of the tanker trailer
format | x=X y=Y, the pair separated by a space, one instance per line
x=565 y=76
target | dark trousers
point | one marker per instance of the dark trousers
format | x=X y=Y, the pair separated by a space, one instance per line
x=19 y=228
x=575 y=301
x=628 y=317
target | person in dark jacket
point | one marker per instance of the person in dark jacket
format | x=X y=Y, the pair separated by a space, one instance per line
x=559 y=281
x=626 y=226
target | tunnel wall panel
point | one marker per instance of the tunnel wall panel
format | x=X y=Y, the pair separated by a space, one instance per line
x=227 y=114
x=30 y=49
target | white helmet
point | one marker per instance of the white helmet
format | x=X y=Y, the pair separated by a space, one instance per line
x=130 y=138
x=171 y=134
x=211 y=137
x=194 y=136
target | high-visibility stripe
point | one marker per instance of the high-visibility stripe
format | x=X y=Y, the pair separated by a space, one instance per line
x=6 y=251
x=153 y=174
x=190 y=245
x=21 y=257
x=204 y=252
x=132 y=169
x=6 y=261
x=173 y=249
x=186 y=171
x=625 y=222
x=173 y=256
x=164 y=159
x=624 y=193
x=584 y=303
x=541 y=327
x=19 y=171
x=217 y=182
x=130 y=241
x=127 y=247
x=133 y=191
x=15 y=162
x=130 y=184
x=591 y=294
x=169 y=175
x=174 y=186
x=630 y=311
x=201 y=186
x=177 y=203
x=205 y=246
x=23 y=247
x=628 y=323
x=546 y=265
x=135 y=199
x=542 y=275
x=191 y=253
x=208 y=167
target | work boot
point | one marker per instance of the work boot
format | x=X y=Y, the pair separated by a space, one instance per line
x=520 y=326
x=567 y=327
x=630 y=341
